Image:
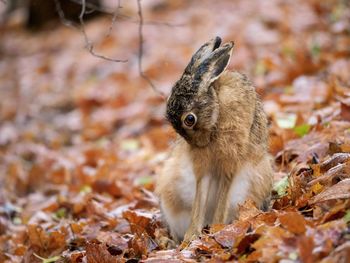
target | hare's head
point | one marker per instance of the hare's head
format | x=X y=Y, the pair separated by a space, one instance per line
x=192 y=106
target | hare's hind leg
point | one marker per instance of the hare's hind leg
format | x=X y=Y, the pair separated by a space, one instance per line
x=252 y=182
x=176 y=189
x=177 y=221
x=262 y=183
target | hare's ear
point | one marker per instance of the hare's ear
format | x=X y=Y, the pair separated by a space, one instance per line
x=202 y=53
x=214 y=65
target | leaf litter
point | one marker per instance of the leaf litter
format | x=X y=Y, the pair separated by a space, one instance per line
x=82 y=139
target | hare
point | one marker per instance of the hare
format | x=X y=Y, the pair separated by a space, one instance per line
x=220 y=157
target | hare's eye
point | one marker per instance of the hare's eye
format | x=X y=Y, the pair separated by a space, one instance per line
x=190 y=120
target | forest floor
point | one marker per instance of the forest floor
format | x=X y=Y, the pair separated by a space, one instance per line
x=82 y=139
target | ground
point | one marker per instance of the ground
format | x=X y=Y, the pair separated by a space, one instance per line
x=82 y=139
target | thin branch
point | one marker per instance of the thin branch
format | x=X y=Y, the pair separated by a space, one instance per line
x=63 y=19
x=88 y=12
x=93 y=6
x=126 y=17
x=114 y=18
x=88 y=44
x=140 y=55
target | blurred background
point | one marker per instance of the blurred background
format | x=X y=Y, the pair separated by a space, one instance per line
x=75 y=121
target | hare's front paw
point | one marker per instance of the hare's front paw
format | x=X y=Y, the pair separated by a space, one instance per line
x=191 y=234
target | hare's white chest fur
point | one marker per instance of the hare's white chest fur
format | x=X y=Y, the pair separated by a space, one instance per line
x=182 y=187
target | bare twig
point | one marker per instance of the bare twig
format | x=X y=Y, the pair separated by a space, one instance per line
x=114 y=18
x=88 y=44
x=117 y=15
x=94 y=7
x=140 y=56
x=63 y=19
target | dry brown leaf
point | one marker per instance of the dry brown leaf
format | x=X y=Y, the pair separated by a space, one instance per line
x=141 y=222
x=109 y=186
x=98 y=253
x=77 y=257
x=336 y=173
x=142 y=245
x=293 y=222
x=37 y=236
x=232 y=233
x=334 y=160
x=268 y=245
x=345 y=111
x=340 y=255
x=247 y=210
x=340 y=190
x=57 y=240
x=306 y=246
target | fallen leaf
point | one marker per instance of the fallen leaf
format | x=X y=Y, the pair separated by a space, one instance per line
x=142 y=245
x=98 y=253
x=108 y=186
x=141 y=222
x=281 y=186
x=293 y=222
x=345 y=111
x=340 y=254
x=306 y=246
x=316 y=188
x=232 y=233
x=334 y=160
x=333 y=175
x=302 y=130
x=248 y=210
x=340 y=190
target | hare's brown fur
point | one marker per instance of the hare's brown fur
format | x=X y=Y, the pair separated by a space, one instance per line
x=219 y=163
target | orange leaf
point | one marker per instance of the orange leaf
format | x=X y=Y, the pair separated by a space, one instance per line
x=293 y=222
